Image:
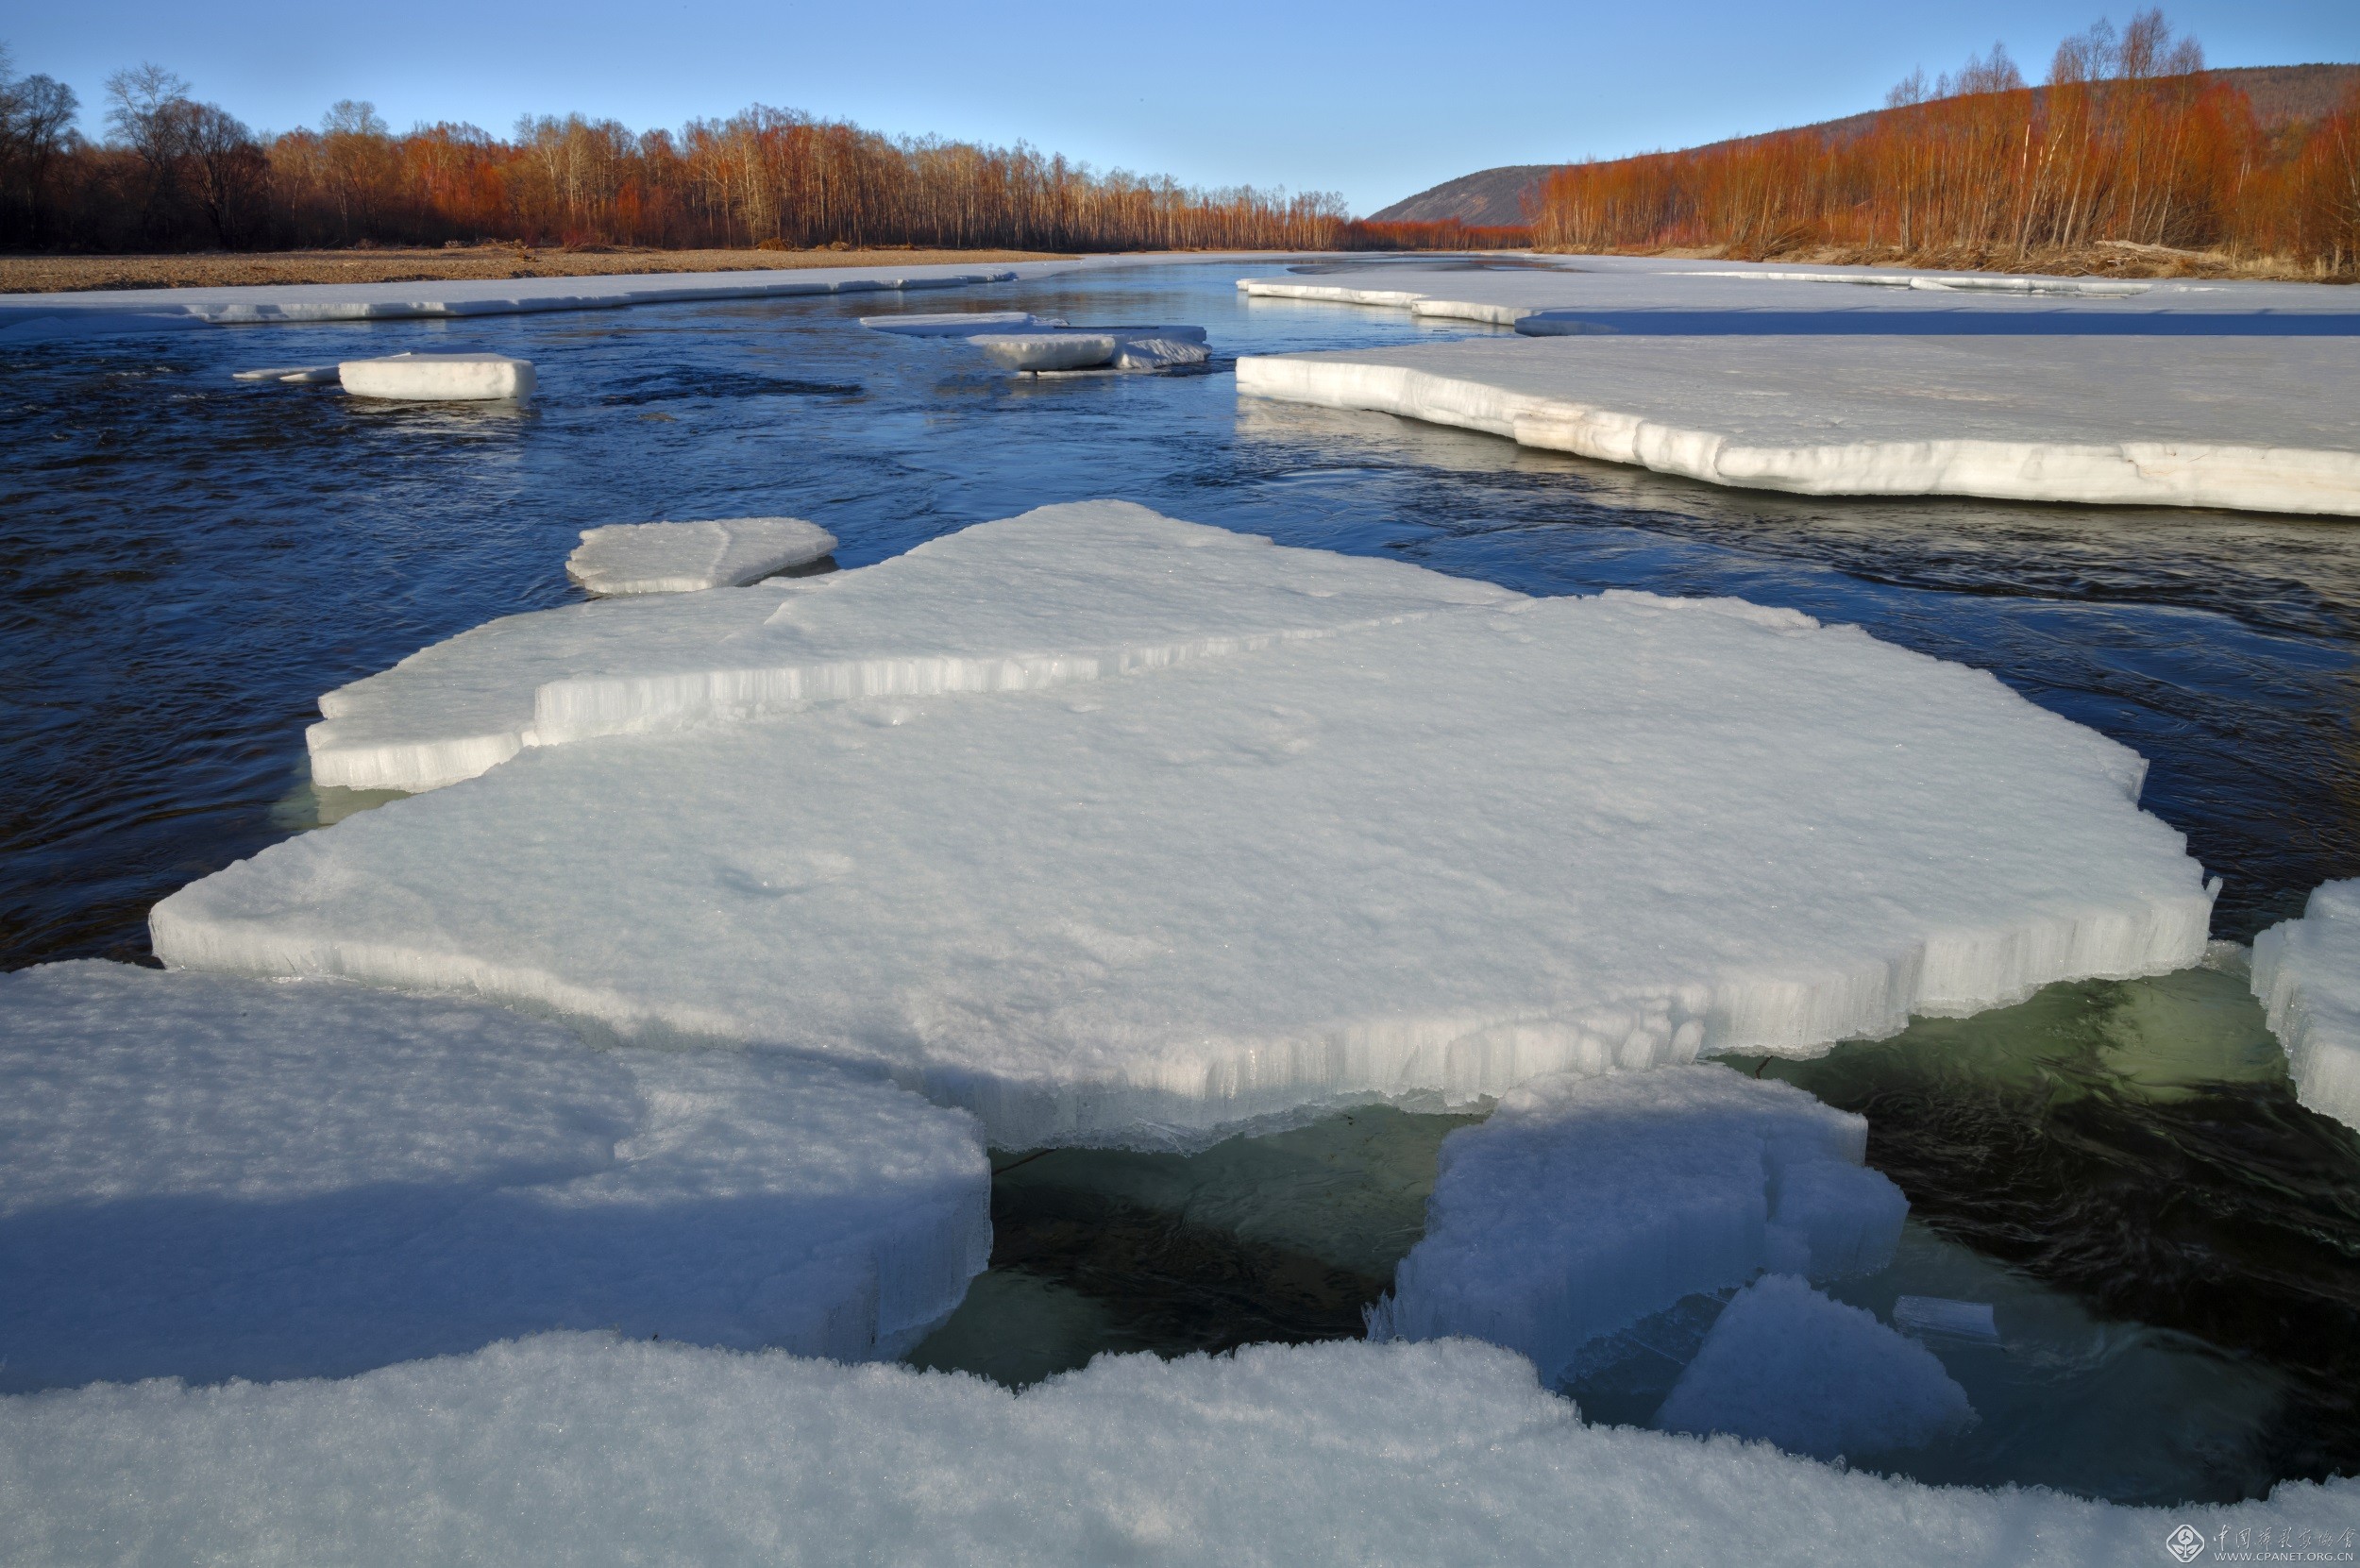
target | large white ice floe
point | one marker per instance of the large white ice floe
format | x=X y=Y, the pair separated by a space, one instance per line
x=1063 y=594
x=1814 y=1376
x=1444 y=854
x=583 y=1448
x=684 y=558
x=1087 y=347
x=439 y=378
x=207 y=1177
x=2306 y=972
x=1582 y=1204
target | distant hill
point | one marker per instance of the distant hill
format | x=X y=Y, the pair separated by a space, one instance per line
x=2281 y=95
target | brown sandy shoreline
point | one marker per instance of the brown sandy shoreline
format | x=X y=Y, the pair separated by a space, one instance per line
x=79 y=274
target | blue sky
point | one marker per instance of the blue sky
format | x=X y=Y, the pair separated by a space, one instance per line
x=1375 y=100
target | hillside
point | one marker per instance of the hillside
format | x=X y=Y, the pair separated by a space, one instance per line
x=2281 y=95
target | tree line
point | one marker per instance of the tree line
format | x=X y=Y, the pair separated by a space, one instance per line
x=2129 y=145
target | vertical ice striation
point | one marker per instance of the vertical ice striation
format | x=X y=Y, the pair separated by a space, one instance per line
x=2306 y=972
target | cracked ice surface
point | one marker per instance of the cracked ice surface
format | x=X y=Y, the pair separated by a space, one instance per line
x=206 y=1177
x=1582 y=1204
x=686 y=558
x=579 y=1448
x=2306 y=972
x=1062 y=594
x=1446 y=854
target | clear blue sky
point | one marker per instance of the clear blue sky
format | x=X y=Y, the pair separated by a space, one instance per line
x=1375 y=100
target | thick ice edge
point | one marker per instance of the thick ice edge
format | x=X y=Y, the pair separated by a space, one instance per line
x=209 y=1177
x=1063 y=594
x=439 y=378
x=686 y=558
x=580 y=1448
x=1447 y=855
x=1582 y=1204
x=2306 y=972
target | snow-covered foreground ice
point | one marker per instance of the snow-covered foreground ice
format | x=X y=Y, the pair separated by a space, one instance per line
x=209 y=1177
x=439 y=378
x=1062 y=594
x=583 y=1448
x=1583 y=1205
x=1814 y=1376
x=685 y=558
x=1446 y=854
x=2306 y=972
x=2242 y=422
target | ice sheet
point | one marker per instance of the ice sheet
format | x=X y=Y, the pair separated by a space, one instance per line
x=439 y=378
x=2243 y=422
x=1063 y=594
x=684 y=558
x=1045 y=351
x=1582 y=1204
x=955 y=324
x=1158 y=354
x=2306 y=972
x=580 y=1448
x=1814 y=1376
x=1447 y=855
x=207 y=1177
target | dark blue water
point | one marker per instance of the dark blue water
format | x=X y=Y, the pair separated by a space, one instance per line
x=192 y=561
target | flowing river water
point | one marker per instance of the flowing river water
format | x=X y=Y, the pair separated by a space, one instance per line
x=2171 y=1243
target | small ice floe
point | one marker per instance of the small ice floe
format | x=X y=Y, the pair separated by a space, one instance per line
x=294 y=374
x=957 y=324
x=2307 y=973
x=686 y=558
x=1584 y=1204
x=1094 y=348
x=439 y=378
x=1941 y=1318
x=1814 y=1376
x=206 y=1177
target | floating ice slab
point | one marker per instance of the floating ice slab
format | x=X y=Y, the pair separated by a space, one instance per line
x=686 y=558
x=2306 y=972
x=1583 y=1205
x=956 y=324
x=296 y=375
x=1158 y=354
x=1447 y=855
x=209 y=1177
x=1063 y=594
x=1814 y=1376
x=2247 y=423
x=439 y=378
x=1046 y=350
x=580 y=1448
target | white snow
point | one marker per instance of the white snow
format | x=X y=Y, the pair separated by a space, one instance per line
x=1582 y=1204
x=1062 y=594
x=1814 y=1376
x=585 y=1449
x=686 y=558
x=2306 y=972
x=1045 y=351
x=1446 y=854
x=206 y=1177
x=955 y=324
x=439 y=378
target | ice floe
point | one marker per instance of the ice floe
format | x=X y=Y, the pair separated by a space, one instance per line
x=439 y=378
x=586 y=1448
x=1062 y=594
x=1088 y=348
x=956 y=324
x=293 y=375
x=1814 y=1376
x=1583 y=1205
x=685 y=558
x=1445 y=854
x=2306 y=972
x=209 y=1177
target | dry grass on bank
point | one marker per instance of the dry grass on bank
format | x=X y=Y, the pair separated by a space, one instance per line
x=2105 y=259
x=49 y=273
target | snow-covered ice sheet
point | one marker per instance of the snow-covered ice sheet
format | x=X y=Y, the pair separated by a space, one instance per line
x=439 y=378
x=1046 y=350
x=956 y=324
x=294 y=374
x=2257 y=424
x=2306 y=972
x=207 y=1177
x=1814 y=1376
x=1582 y=1204
x=1062 y=594
x=686 y=558
x=580 y=1448
x=1447 y=855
